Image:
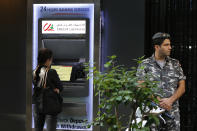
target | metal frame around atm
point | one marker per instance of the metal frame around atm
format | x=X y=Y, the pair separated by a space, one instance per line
x=29 y=38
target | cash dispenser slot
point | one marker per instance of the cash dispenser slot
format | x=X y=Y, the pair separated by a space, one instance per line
x=66 y=50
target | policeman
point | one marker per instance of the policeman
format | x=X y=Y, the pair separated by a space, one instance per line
x=171 y=80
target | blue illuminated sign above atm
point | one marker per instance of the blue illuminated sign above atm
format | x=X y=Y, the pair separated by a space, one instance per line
x=63 y=27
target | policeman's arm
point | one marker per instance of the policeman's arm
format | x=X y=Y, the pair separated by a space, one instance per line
x=166 y=103
x=181 y=85
x=141 y=73
x=179 y=92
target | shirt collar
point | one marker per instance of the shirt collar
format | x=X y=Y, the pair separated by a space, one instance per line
x=154 y=60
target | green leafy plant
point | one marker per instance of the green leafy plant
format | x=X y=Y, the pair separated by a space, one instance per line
x=119 y=85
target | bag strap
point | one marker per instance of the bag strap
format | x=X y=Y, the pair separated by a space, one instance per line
x=45 y=80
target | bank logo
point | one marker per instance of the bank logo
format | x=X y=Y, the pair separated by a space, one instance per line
x=48 y=27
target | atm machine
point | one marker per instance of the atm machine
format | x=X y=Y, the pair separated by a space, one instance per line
x=69 y=41
x=71 y=31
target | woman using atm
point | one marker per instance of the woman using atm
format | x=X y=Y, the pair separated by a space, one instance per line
x=47 y=101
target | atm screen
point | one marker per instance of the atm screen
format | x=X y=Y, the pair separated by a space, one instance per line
x=64 y=72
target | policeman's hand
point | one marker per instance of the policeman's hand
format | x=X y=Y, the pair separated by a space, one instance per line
x=141 y=84
x=166 y=103
x=57 y=90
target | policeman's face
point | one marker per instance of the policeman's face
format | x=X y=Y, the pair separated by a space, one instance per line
x=165 y=48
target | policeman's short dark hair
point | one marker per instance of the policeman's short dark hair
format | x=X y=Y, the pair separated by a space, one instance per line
x=159 y=37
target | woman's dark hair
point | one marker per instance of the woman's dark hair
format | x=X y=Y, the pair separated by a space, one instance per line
x=43 y=55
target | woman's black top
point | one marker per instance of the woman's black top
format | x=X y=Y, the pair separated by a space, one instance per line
x=52 y=81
